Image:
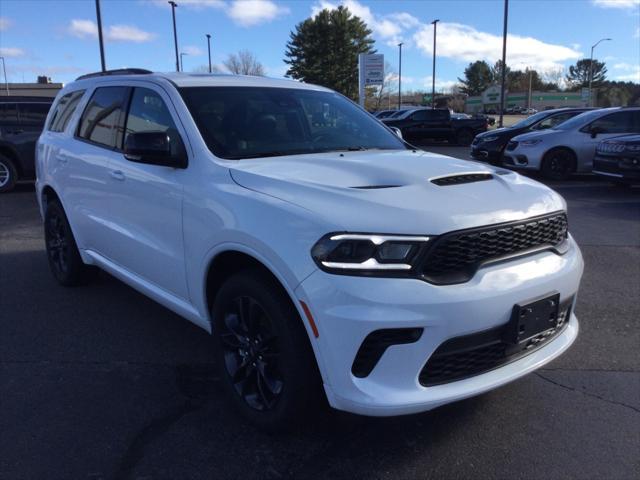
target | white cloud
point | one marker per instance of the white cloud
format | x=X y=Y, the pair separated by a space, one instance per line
x=117 y=33
x=465 y=43
x=5 y=23
x=632 y=76
x=192 y=50
x=389 y=28
x=625 y=66
x=622 y=4
x=11 y=52
x=253 y=12
x=441 y=85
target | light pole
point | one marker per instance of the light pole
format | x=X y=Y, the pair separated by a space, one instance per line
x=100 y=39
x=400 y=75
x=504 y=60
x=175 y=32
x=591 y=67
x=181 y=62
x=6 y=81
x=529 y=96
x=433 y=73
x=209 y=50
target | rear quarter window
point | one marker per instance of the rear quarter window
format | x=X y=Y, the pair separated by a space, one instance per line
x=102 y=121
x=64 y=110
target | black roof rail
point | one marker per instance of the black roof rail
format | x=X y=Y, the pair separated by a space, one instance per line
x=119 y=71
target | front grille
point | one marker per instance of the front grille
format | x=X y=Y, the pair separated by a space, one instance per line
x=459 y=179
x=512 y=145
x=464 y=357
x=455 y=257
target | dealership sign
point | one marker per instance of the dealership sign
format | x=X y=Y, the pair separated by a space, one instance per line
x=370 y=72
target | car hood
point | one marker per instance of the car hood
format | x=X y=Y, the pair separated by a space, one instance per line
x=392 y=192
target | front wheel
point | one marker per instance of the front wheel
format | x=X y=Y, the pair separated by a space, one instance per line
x=263 y=353
x=558 y=164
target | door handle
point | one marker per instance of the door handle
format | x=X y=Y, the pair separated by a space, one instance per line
x=117 y=175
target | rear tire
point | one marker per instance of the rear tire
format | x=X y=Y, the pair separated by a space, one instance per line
x=8 y=174
x=558 y=164
x=263 y=354
x=64 y=258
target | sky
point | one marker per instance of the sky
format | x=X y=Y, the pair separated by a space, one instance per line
x=58 y=38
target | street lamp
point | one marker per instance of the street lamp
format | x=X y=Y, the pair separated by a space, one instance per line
x=209 y=50
x=175 y=33
x=591 y=67
x=6 y=81
x=181 y=62
x=504 y=60
x=400 y=75
x=433 y=74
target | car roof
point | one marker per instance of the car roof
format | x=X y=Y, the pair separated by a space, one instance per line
x=180 y=79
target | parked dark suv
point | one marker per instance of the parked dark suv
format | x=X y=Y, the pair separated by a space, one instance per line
x=21 y=122
x=618 y=159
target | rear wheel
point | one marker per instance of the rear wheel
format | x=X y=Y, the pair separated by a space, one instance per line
x=8 y=174
x=263 y=352
x=558 y=164
x=464 y=137
x=64 y=258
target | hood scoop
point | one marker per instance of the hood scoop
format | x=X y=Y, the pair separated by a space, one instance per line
x=461 y=178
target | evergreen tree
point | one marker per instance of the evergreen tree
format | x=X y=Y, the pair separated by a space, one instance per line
x=477 y=77
x=578 y=75
x=324 y=50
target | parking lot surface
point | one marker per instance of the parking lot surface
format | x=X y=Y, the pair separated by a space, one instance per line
x=101 y=382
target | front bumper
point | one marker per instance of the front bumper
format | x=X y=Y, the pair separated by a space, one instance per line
x=485 y=153
x=627 y=170
x=346 y=309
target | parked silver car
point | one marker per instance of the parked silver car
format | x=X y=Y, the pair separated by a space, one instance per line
x=570 y=146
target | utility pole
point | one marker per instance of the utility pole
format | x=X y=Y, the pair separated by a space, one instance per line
x=6 y=81
x=181 y=62
x=591 y=67
x=433 y=73
x=100 y=39
x=209 y=50
x=529 y=96
x=504 y=60
x=175 y=32
x=400 y=76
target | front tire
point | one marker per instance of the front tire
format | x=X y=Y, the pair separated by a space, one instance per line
x=8 y=174
x=263 y=353
x=558 y=164
x=64 y=258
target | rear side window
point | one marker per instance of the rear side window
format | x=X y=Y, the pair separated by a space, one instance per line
x=33 y=113
x=64 y=110
x=102 y=121
x=148 y=113
x=8 y=114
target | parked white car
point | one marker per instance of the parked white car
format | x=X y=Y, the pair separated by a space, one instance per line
x=327 y=258
x=570 y=146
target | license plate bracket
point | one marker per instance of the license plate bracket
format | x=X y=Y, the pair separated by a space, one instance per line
x=530 y=319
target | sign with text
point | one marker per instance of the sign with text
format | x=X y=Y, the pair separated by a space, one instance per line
x=372 y=69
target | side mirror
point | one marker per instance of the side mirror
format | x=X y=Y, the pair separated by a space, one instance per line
x=156 y=148
x=397 y=131
x=594 y=131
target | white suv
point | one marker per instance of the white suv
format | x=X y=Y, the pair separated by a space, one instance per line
x=328 y=258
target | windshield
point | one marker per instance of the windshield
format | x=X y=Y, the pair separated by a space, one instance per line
x=579 y=120
x=527 y=122
x=254 y=122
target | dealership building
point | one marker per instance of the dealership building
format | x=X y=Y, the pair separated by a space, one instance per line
x=490 y=100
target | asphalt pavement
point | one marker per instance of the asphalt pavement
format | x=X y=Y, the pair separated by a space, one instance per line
x=101 y=382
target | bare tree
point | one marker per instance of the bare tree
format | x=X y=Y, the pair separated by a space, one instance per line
x=244 y=63
x=205 y=69
x=554 y=76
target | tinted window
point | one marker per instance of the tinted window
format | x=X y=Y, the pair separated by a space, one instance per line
x=8 y=113
x=619 y=122
x=102 y=120
x=148 y=113
x=64 y=110
x=33 y=113
x=553 y=120
x=419 y=116
x=244 y=122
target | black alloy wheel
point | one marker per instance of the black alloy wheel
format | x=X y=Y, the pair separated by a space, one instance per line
x=558 y=164
x=251 y=353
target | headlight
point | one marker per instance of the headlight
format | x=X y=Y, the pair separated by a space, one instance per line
x=529 y=143
x=490 y=138
x=358 y=253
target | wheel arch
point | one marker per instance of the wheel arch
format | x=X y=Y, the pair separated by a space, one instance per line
x=561 y=147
